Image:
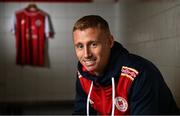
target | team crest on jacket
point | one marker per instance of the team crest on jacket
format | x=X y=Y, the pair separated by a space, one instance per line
x=121 y=104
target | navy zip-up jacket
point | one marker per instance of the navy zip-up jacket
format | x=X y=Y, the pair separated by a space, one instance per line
x=139 y=88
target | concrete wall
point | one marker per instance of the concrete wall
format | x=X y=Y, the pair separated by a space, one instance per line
x=151 y=28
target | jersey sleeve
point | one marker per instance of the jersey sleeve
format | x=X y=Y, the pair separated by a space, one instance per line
x=49 y=32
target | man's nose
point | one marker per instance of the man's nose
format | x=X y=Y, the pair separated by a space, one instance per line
x=87 y=52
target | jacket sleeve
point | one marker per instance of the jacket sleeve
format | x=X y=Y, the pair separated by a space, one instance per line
x=80 y=101
x=149 y=94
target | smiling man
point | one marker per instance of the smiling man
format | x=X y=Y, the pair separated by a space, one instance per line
x=110 y=80
x=93 y=47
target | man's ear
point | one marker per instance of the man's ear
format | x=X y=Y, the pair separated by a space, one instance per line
x=111 y=40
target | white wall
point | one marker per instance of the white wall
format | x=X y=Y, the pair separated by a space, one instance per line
x=56 y=82
x=152 y=30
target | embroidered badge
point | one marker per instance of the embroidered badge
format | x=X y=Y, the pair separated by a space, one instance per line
x=121 y=104
x=38 y=23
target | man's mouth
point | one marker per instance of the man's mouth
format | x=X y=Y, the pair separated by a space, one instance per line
x=89 y=62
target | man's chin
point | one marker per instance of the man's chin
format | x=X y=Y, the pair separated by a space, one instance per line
x=90 y=69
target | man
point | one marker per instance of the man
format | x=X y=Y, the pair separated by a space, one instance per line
x=110 y=80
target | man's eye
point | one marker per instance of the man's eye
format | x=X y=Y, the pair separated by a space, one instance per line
x=93 y=44
x=79 y=46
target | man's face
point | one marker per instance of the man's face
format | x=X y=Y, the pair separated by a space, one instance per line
x=93 y=47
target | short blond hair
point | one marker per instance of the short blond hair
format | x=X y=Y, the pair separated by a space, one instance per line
x=91 y=21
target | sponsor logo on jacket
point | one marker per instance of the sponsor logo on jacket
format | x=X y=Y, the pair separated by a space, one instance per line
x=129 y=72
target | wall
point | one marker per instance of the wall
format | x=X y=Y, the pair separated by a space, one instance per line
x=152 y=31
x=54 y=83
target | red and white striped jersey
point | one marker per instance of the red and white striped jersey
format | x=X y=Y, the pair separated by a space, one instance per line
x=30 y=29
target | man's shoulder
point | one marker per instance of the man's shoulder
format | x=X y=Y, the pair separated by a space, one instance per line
x=138 y=62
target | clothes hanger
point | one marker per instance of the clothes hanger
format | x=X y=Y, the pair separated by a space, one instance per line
x=32 y=7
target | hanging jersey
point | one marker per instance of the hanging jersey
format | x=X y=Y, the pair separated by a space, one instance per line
x=30 y=28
